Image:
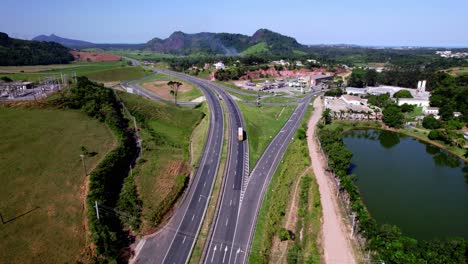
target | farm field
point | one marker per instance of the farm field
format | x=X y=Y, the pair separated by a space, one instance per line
x=97 y=71
x=42 y=191
x=164 y=167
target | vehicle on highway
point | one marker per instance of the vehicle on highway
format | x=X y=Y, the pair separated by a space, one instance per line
x=240 y=132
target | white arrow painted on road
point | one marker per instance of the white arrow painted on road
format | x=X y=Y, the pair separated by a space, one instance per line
x=214 y=252
x=225 y=250
x=237 y=252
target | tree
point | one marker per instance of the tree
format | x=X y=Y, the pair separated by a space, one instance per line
x=6 y=79
x=393 y=117
x=430 y=122
x=405 y=108
x=433 y=135
x=326 y=116
x=175 y=89
x=402 y=94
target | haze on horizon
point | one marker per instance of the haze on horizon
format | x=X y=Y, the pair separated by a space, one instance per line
x=362 y=22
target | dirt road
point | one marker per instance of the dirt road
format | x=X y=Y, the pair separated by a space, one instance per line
x=335 y=237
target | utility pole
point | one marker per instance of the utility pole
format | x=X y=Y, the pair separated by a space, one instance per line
x=97 y=209
x=84 y=165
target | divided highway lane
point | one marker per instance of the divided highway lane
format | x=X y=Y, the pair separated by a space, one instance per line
x=259 y=181
x=222 y=236
x=175 y=241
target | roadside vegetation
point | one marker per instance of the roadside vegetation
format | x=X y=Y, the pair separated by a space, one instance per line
x=302 y=242
x=43 y=182
x=163 y=170
x=385 y=242
x=262 y=124
x=106 y=181
x=97 y=71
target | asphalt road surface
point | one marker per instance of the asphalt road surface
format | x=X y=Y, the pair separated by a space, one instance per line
x=175 y=241
x=234 y=183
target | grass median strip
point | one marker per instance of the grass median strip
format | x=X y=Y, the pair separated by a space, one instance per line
x=262 y=124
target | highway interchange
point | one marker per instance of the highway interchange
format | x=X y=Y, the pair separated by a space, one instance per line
x=241 y=194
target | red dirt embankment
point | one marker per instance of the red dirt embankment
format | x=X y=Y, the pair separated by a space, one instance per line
x=94 y=56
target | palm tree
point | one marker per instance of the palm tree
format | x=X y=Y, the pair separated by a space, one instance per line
x=175 y=89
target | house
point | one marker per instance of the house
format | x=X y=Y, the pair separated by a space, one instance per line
x=427 y=110
x=319 y=78
x=219 y=65
x=352 y=100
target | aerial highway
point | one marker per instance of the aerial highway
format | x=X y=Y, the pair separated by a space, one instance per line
x=222 y=235
x=258 y=182
x=242 y=194
x=233 y=231
x=174 y=242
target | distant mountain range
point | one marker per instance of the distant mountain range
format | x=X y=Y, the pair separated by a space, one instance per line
x=80 y=44
x=263 y=41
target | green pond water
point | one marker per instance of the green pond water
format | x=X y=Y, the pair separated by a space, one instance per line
x=414 y=185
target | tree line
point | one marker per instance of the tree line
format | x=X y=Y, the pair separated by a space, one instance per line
x=107 y=179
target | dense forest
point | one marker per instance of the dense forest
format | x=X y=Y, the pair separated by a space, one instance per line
x=16 y=52
x=403 y=77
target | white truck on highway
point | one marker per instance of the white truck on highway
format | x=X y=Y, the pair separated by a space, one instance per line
x=240 y=134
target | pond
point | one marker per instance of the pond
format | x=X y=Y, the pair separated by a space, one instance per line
x=414 y=185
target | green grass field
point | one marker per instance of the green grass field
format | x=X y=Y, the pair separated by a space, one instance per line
x=263 y=123
x=278 y=99
x=97 y=71
x=164 y=165
x=257 y=48
x=457 y=71
x=41 y=195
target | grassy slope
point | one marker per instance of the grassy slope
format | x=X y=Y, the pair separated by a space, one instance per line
x=42 y=169
x=166 y=132
x=262 y=124
x=99 y=71
x=272 y=213
x=261 y=47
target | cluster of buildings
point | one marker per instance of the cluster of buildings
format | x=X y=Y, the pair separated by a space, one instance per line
x=351 y=107
x=450 y=54
x=298 y=82
x=12 y=90
x=297 y=63
x=19 y=90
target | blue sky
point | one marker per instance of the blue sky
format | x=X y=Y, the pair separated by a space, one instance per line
x=364 y=22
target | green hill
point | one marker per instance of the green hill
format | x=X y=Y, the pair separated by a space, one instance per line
x=14 y=52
